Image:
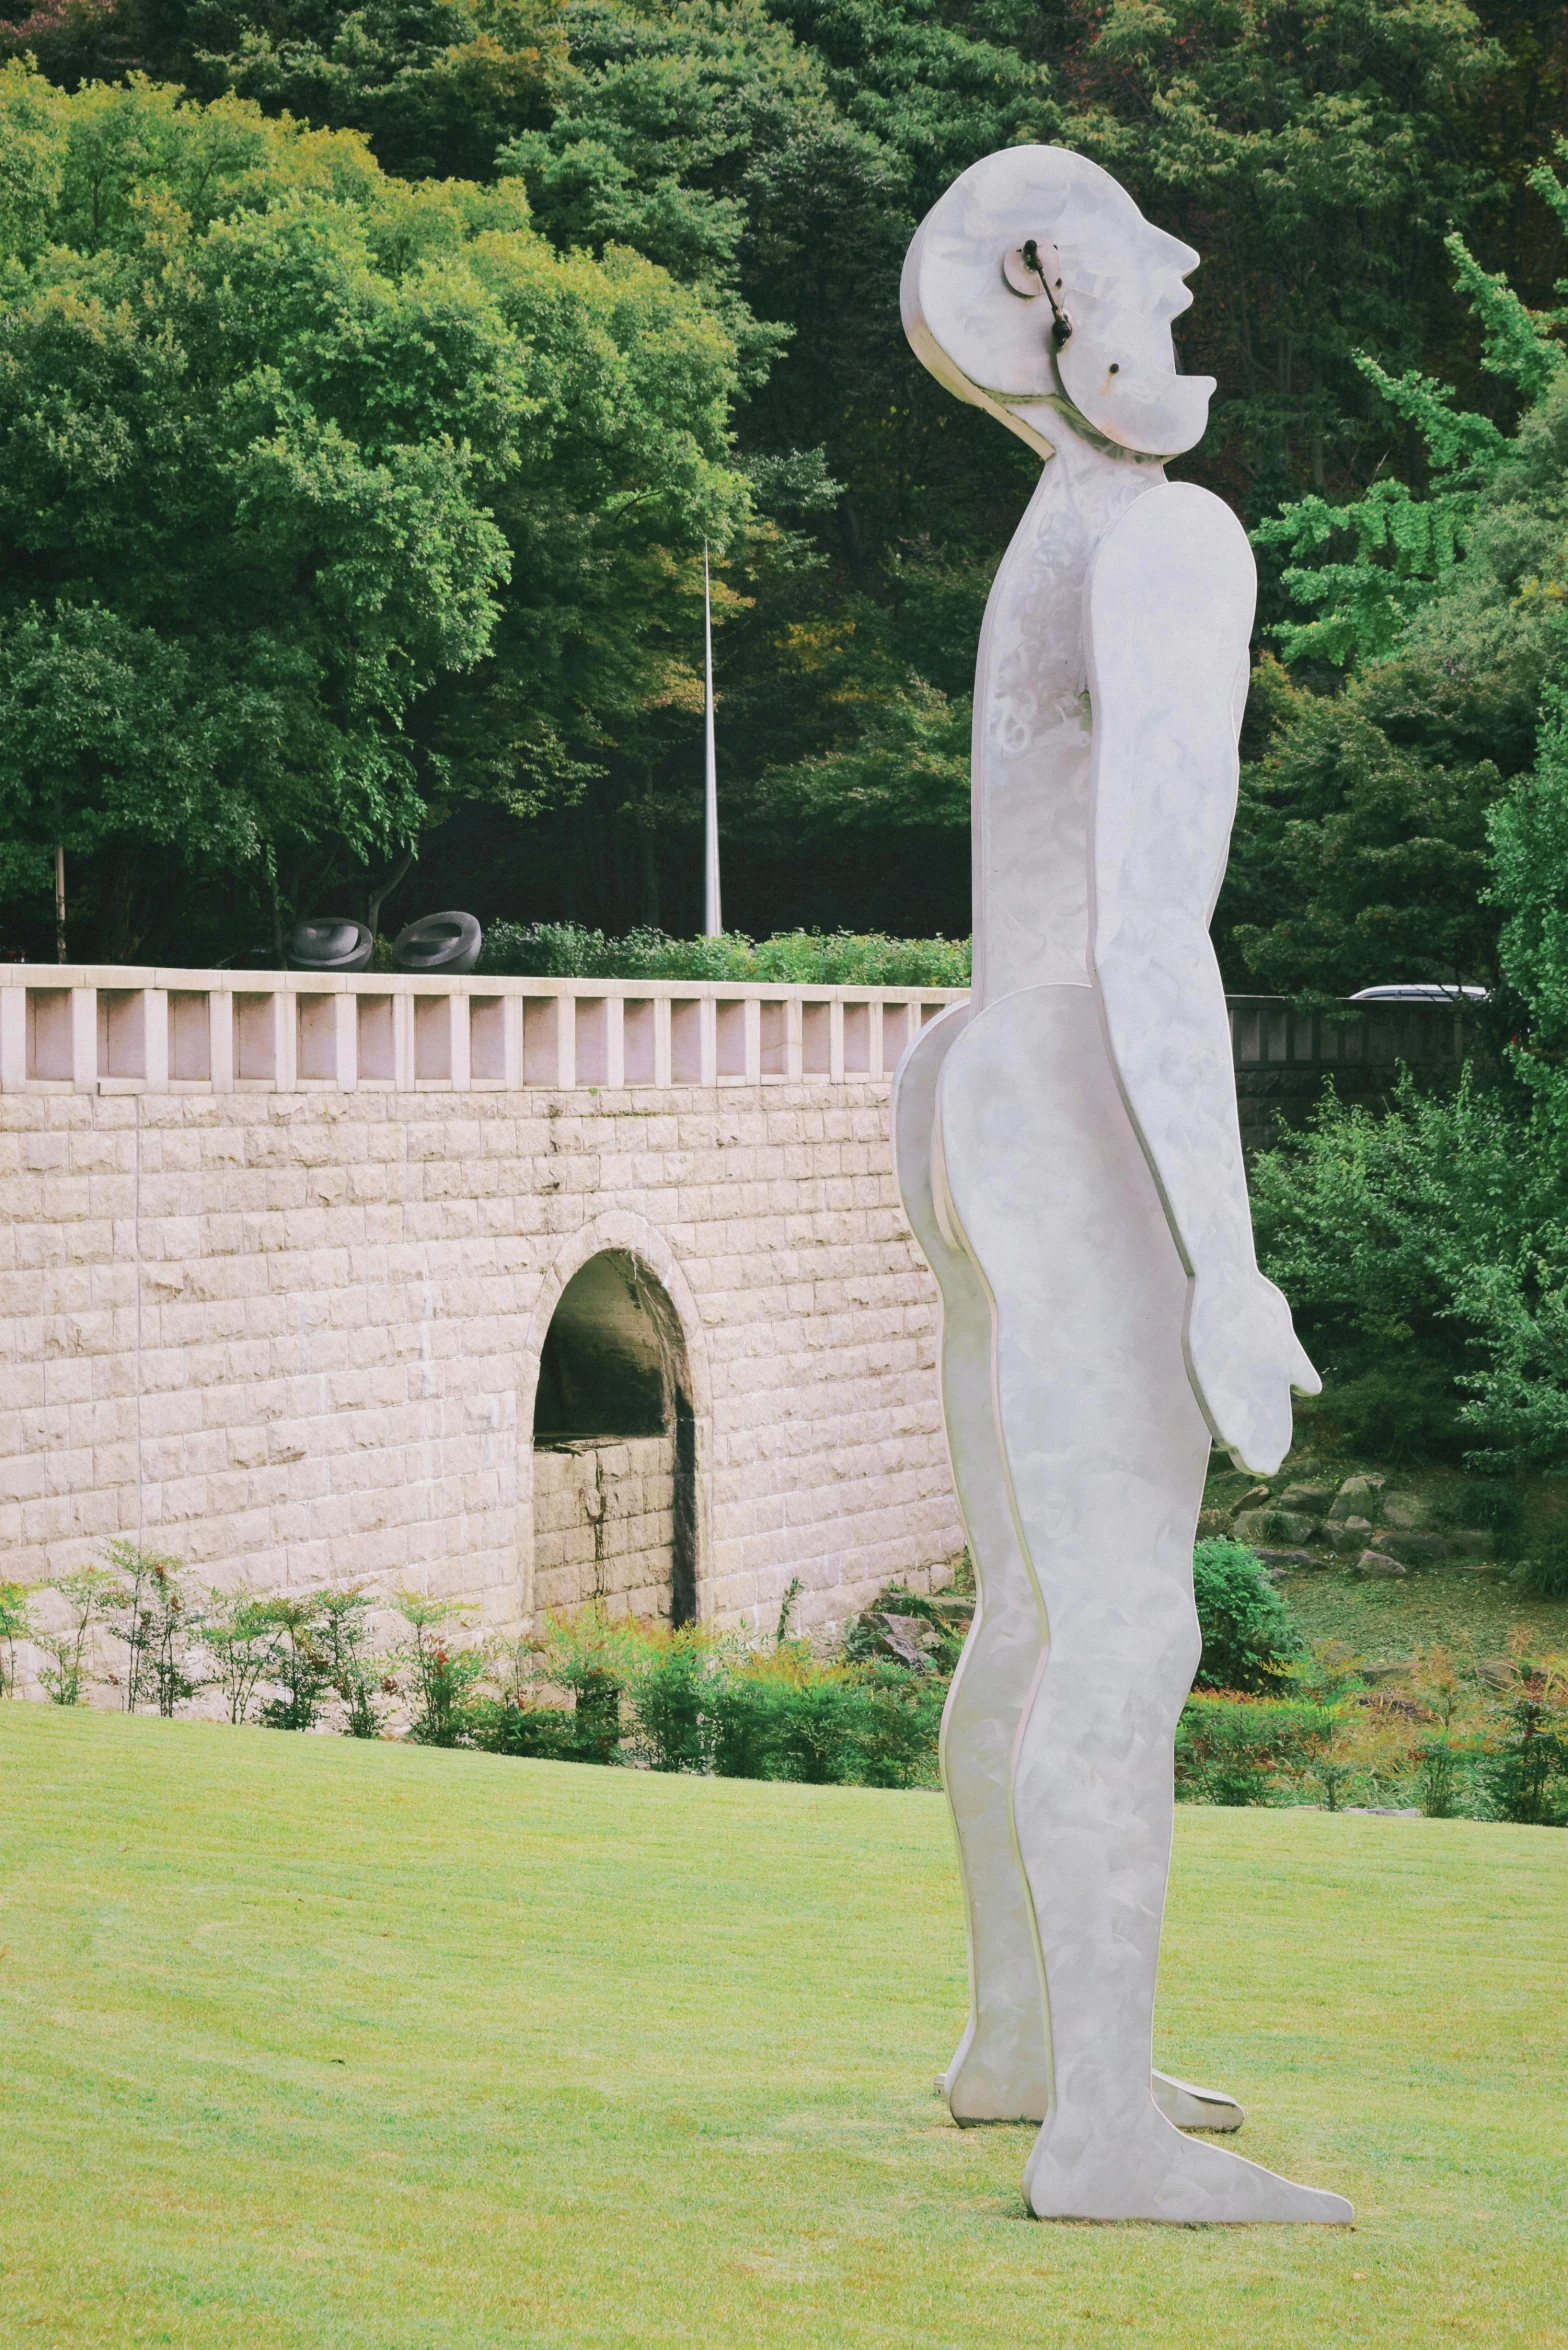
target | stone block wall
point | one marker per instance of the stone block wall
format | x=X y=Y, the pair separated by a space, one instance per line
x=604 y=1524
x=288 y=1327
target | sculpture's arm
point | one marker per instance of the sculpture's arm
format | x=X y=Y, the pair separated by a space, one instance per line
x=1168 y=613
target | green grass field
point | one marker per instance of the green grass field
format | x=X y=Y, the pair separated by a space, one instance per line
x=308 y=2042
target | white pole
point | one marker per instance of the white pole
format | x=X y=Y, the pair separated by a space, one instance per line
x=712 y=919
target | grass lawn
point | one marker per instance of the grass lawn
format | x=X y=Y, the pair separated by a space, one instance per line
x=308 y=2042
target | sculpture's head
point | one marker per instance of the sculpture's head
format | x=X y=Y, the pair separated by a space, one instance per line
x=1035 y=277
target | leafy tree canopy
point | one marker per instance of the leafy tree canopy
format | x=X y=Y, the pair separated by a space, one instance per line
x=771 y=157
x=325 y=499
x=1363 y=846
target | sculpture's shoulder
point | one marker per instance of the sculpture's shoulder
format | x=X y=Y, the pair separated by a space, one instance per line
x=1174 y=536
x=1178 y=546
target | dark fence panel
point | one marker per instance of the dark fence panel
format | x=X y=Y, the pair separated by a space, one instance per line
x=1283 y=1057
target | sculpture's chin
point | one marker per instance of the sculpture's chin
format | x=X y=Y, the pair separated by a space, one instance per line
x=1147 y=408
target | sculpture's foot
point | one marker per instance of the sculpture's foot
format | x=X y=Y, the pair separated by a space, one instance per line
x=1195 y=2109
x=985 y=2086
x=1151 y=2172
x=987 y=2083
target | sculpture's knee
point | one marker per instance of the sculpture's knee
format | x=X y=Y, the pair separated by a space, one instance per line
x=1134 y=1642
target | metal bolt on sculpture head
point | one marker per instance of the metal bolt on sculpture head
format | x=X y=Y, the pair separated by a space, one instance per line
x=1070 y=1158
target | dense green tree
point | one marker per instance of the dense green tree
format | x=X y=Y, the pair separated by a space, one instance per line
x=325 y=500
x=1423 y=810
x=773 y=156
x=1363 y=846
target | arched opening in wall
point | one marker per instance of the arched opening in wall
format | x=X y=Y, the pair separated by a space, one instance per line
x=615 y=1451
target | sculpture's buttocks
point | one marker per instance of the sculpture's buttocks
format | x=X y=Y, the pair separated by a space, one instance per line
x=1032 y=730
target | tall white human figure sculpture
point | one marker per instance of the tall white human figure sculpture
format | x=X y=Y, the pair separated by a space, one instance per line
x=1069 y=1153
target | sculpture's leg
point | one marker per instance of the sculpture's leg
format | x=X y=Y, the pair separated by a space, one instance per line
x=1104 y=1449
x=1001 y=2070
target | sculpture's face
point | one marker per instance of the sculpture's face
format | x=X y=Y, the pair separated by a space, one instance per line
x=1087 y=313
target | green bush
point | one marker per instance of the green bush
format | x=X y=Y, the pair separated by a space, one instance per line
x=902 y=1723
x=1234 y=1750
x=875 y=1726
x=298 y=1665
x=1248 y=1635
x=441 y=1677
x=743 y=1720
x=1525 y=1773
x=538 y=1733
x=670 y=1700
x=682 y=1699
x=16 y=1624
x=564 y=950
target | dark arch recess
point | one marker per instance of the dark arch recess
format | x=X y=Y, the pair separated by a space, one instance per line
x=614 y=1364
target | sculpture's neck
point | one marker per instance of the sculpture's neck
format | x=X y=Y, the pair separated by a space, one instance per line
x=1031 y=741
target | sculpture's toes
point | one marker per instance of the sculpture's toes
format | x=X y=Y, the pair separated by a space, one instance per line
x=1157 y=2174
x=1191 y=2108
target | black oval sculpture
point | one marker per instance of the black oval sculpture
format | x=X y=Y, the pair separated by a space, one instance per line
x=331 y=942
x=446 y=943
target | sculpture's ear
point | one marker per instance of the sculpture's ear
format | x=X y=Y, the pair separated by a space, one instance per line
x=936 y=287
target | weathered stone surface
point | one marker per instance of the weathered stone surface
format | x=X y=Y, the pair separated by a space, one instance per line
x=1274 y=1525
x=294 y=1336
x=909 y=1640
x=604 y=1524
x=1378 y=1563
x=1358 y=1496
x=1416 y=1550
x=1407 y=1511
x=1311 y=1501
x=1348 y=1534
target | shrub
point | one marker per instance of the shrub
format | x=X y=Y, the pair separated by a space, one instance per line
x=351 y=1670
x=298 y=1665
x=441 y=1675
x=1442 y=1689
x=1248 y=1635
x=902 y=1725
x=818 y=1732
x=743 y=1726
x=158 y=1623
x=89 y=1594
x=1526 y=1763
x=670 y=1700
x=1345 y=1744
x=1543 y=1572
x=564 y=950
x=242 y=1636
x=1234 y=1749
x=540 y=1733
x=679 y=1699
x=15 y=1624
x=789 y=1716
x=592 y=1656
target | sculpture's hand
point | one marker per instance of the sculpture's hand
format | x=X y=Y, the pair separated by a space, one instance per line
x=1245 y=1358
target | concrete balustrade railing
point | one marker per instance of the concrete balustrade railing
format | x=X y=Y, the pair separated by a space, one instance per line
x=120 y=1029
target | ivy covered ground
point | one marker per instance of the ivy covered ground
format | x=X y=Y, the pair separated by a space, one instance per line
x=312 y=2041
